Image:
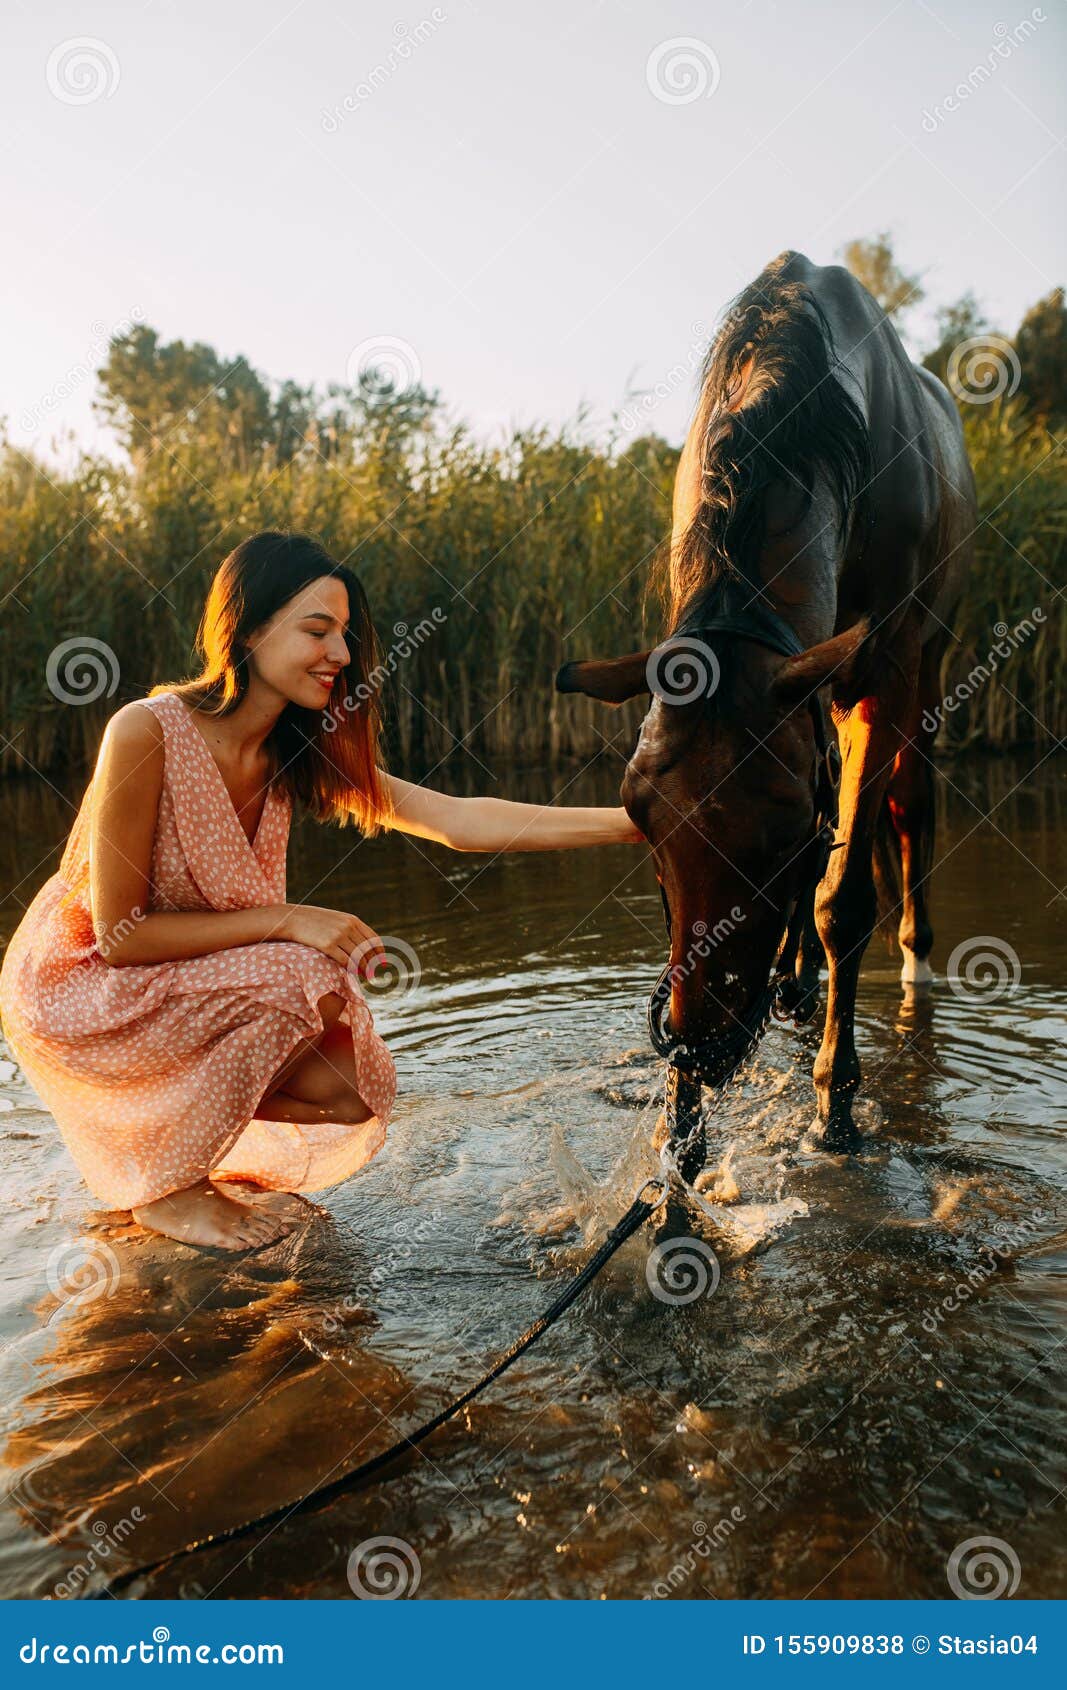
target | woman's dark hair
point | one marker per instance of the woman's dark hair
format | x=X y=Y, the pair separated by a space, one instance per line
x=327 y=759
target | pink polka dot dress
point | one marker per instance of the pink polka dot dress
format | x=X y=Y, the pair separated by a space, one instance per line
x=153 y=1072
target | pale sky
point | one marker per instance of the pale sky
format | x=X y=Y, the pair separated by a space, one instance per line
x=543 y=204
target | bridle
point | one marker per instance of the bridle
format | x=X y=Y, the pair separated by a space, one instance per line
x=713 y=1060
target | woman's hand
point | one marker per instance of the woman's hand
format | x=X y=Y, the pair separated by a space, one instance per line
x=628 y=833
x=336 y=934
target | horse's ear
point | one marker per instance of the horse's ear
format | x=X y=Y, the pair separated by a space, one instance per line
x=613 y=679
x=834 y=660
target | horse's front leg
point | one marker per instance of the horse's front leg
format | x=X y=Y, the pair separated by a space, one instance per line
x=846 y=905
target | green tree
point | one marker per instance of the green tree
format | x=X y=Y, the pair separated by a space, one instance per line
x=963 y=320
x=158 y=394
x=1041 y=344
x=872 y=262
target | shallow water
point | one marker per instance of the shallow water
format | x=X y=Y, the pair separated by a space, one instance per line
x=875 y=1378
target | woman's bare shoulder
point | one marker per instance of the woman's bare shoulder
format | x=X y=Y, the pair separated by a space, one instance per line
x=134 y=734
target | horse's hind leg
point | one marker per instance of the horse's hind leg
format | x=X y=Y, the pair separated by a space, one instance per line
x=912 y=807
x=798 y=993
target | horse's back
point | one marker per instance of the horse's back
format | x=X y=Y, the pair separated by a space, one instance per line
x=920 y=505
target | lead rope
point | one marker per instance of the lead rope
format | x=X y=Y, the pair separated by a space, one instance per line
x=682 y=1158
x=644 y=1204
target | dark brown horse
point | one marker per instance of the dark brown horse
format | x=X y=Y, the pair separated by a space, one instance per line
x=823 y=517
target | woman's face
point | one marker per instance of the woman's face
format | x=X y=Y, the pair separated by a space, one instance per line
x=300 y=650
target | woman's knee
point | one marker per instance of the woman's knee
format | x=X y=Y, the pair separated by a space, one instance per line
x=331 y=1007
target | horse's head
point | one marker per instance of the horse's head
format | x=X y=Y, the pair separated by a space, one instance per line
x=724 y=784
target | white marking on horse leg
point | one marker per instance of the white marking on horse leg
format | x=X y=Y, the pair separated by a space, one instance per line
x=916 y=970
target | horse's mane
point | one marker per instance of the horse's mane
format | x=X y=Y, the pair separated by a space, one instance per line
x=794 y=419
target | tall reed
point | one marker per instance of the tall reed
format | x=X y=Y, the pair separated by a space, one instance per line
x=530 y=552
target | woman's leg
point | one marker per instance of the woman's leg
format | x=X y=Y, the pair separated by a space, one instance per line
x=318 y=1082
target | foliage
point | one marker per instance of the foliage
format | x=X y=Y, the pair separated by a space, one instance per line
x=872 y=263
x=486 y=566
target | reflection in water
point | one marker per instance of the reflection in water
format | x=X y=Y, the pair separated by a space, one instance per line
x=872 y=1378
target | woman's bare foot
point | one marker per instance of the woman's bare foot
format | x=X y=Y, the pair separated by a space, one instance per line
x=202 y=1214
x=287 y=1205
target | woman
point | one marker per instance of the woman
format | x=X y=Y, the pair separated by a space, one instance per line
x=196 y=1037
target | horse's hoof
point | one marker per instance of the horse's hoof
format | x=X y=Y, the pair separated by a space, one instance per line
x=832 y=1138
x=916 y=971
x=796 y=1001
x=807 y=1009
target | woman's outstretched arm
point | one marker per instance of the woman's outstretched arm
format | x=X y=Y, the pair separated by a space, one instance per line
x=497 y=824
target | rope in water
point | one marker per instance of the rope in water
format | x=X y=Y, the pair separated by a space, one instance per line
x=639 y=1211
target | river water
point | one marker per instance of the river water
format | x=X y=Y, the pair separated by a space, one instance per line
x=862 y=1372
